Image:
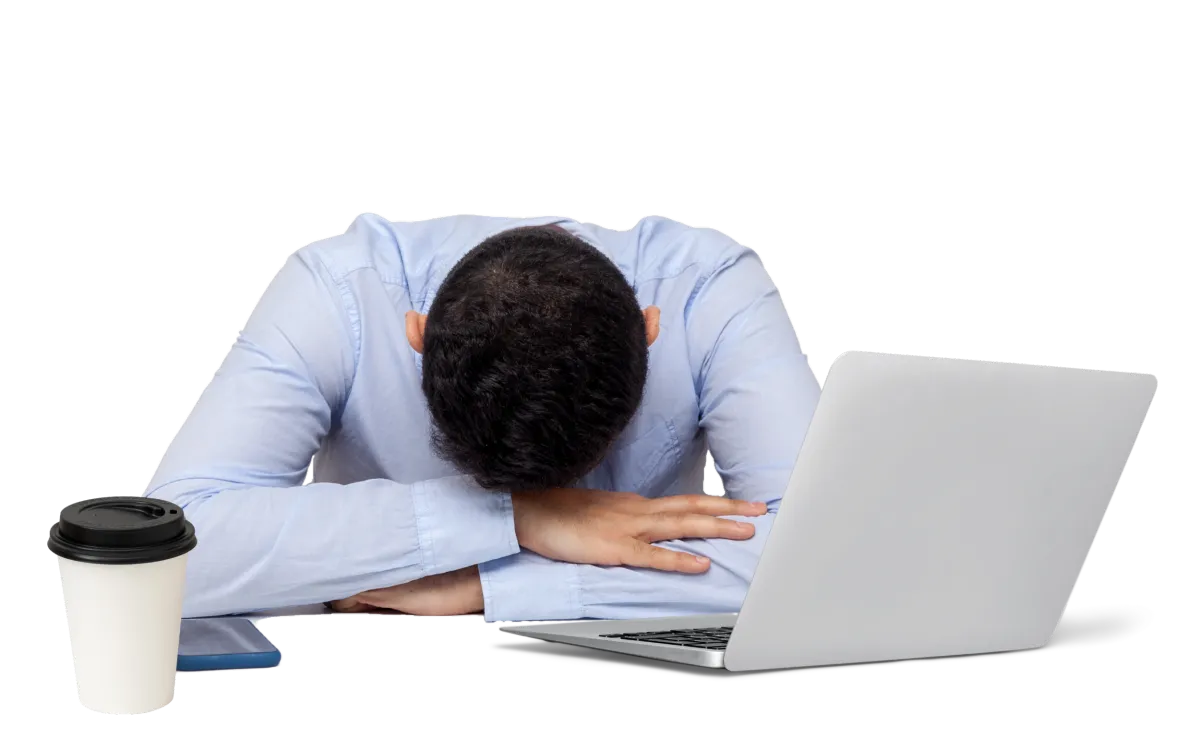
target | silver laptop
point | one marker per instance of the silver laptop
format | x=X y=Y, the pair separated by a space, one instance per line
x=938 y=507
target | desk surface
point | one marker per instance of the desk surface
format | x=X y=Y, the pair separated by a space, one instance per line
x=371 y=663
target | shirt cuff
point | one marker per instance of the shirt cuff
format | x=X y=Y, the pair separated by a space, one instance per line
x=530 y=587
x=460 y=524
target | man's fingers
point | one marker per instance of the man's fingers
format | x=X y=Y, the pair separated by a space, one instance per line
x=638 y=554
x=706 y=504
x=663 y=526
x=349 y=605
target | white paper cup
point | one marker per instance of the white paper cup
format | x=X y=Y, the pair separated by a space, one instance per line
x=123 y=562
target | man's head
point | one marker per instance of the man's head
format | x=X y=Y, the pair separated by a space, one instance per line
x=534 y=359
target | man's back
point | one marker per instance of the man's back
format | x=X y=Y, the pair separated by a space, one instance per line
x=388 y=269
x=323 y=369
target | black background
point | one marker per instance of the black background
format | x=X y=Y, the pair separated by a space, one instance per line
x=151 y=295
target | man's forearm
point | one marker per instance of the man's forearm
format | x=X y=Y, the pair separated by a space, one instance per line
x=529 y=587
x=455 y=593
x=588 y=527
x=265 y=547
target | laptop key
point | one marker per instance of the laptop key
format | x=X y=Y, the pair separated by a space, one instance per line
x=711 y=639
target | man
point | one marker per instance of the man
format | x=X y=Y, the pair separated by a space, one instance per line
x=507 y=416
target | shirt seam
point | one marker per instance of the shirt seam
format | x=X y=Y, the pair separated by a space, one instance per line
x=354 y=318
x=740 y=316
x=486 y=583
x=423 y=541
x=341 y=274
x=676 y=448
x=576 y=588
x=663 y=275
x=514 y=546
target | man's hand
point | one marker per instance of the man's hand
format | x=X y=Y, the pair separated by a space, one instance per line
x=617 y=528
x=455 y=593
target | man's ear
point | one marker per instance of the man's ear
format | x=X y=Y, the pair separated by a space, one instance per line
x=651 y=314
x=414 y=328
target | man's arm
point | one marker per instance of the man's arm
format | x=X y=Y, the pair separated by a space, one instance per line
x=757 y=395
x=237 y=464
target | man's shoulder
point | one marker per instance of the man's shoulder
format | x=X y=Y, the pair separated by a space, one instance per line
x=666 y=247
x=396 y=251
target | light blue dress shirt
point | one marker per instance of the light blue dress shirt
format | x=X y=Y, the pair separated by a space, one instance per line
x=323 y=372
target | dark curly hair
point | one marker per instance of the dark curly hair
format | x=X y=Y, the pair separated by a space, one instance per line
x=534 y=359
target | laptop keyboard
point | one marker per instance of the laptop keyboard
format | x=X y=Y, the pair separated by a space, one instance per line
x=710 y=639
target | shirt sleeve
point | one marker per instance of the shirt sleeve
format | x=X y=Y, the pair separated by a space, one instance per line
x=239 y=461
x=757 y=395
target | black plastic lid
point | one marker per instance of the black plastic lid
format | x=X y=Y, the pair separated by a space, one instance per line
x=121 y=531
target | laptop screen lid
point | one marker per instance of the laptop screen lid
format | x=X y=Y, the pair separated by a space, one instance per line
x=937 y=507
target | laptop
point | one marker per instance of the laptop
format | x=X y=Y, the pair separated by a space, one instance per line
x=938 y=507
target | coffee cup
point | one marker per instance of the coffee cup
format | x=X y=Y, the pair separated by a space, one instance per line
x=122 y=561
